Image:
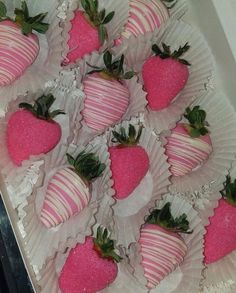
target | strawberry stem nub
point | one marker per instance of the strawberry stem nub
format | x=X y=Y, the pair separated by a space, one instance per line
x=41 y=107
x=229 y=191
x=130 y=139
x=166 y=52
x=86 y=165
x=163 y=218
x=105 y=246
x=197 y=119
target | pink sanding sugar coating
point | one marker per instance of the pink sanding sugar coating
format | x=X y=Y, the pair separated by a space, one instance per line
x=162 y=251
x=186 y=153
x=85 y=271
x=144 y=16
x=17 y=52
x=220 y=238
x=84 y=38
x=66 y=195
x=106 y=101
x=27 y=135
x=129 y=165
x=163 y=81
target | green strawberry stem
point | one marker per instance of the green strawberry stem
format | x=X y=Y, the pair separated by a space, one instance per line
x=86 y=165
x=229 y=191
x=169 y=3
x=22 y=18
x=163 y=218
x=97 y=18
x=41 y=107
x=166 y=52
x=197 y=122
x=105 y=246
x=112 y=69
x=124 y=139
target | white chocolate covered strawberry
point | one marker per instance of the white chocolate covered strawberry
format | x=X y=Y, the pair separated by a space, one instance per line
x=107 y=97
x=162 y=248
x=189 y=145
x=68 y=192
x=19 y=46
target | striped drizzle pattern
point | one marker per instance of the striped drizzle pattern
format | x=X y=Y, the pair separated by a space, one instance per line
x=66 y=195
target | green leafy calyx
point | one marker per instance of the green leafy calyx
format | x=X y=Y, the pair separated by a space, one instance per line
x=166 y=52
x=98 y=18
x=169 y=3
x=105 y=246
x=41 y=107
x=197 y=122
x=229 y=191
x=22 y=18
x=112 y=69
x=127 y=139
x=163 y=218
x=86 y=165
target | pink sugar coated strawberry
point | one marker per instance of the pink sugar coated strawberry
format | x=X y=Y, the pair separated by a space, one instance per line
x=19 y=46
x=129 y=162
x=162 y=248
x=88 y=31
x=32 y=131
x=220 y=238
x=189 y=145
x=164 y=76
x=90 y=267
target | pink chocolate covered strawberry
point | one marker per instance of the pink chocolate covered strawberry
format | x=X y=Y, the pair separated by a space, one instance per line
x=107 y=97
x=90 y=267
x=88 y=31
x=164 y=76
x=32 y=130
x=162 y=248
x=19 y=46
x=189 y=145
x=220 y=238
x=68 y=192
x=129 y=161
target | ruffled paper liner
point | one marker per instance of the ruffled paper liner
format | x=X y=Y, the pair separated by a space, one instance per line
x=222 y=119
x=187 y=277
x=48 y=63
x=129 y=212
x=20 y=180
x=42 y=243
x=114 y=27
x=174 y=33
x=137 y=102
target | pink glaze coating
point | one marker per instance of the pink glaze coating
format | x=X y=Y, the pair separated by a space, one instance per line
x=66 y=195
x=220 y=238
x=17 y=52
x=27 y=135
x=144 y=16
x=105 y=103
x=163 y=81
x=186 y=153
x=84 y=38
x=85 y=271
x=129 y=165
x=162 y=251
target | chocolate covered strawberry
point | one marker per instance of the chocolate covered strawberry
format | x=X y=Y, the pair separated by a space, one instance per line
x=68 y=192
x=90 y=267
x=189 y=145
x=88 y=31
x=162 y=247
x=32 y=130
x=220 y=238
x=19 y=46
x=129 y=161
x=165 y=75
x=107 y=97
